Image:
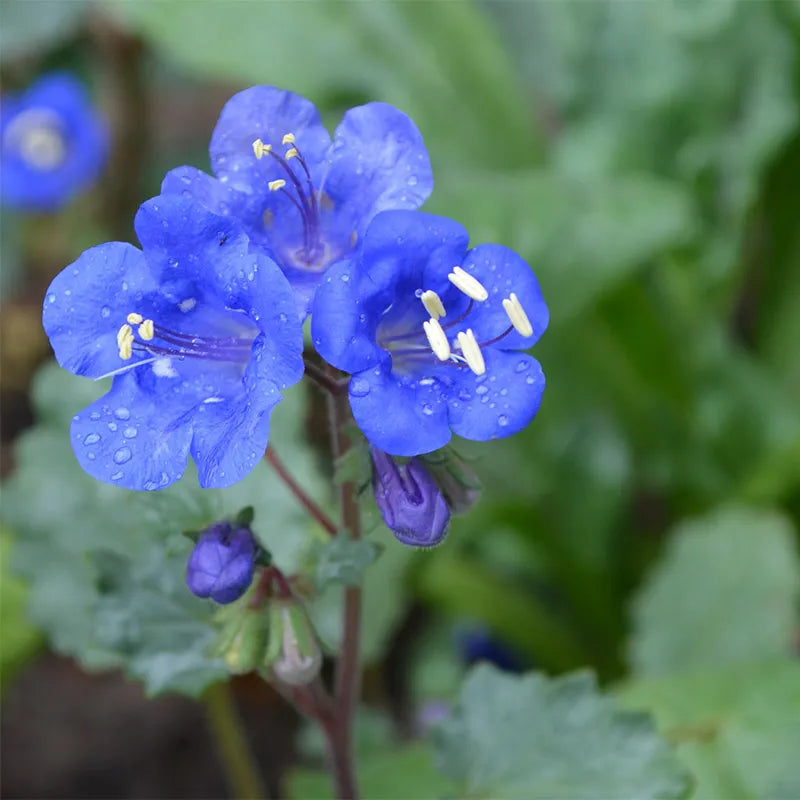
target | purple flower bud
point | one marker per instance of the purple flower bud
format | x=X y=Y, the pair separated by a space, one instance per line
x=409 y=500
x=221 y=564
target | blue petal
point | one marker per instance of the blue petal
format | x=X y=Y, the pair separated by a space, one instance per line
x=266 y=113
x=89 y=300
x=209 y=192
x=132 y=439
x=378 y=162
x=230 y=437
x=342 y=327
x=498 y=403
x=399 y=415
x=502 y=271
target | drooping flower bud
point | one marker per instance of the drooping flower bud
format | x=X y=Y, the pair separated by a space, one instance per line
x=410 y=502
x=221 y=564
x=293 y=651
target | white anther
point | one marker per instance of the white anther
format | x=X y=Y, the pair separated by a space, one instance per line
x=516 y=313
x=124 y=333
x=468 y=284
x=433 y=304
x=275 y=185
x=146 y=330
x=126 y=348
x=288 y=138
x=261 y=149
x=134 y=318
x=471 y=351
x=437 y=339
x=291 y=153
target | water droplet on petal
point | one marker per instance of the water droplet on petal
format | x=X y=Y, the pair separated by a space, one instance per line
x=105 y=312
x=122 y=455
x=173 y=262
x=130 y=433
x=412 y=181
x=51 y=298
x=91 y=438
x=482 y=389
x=359 y=387
x=427 y=409
x=502 y=420
x=464 y=394
x=344 y=277
x=112 y=426
x=530 y=379
x=522 y=366
x=122 y=413
x=116 y=476
x=95 y=415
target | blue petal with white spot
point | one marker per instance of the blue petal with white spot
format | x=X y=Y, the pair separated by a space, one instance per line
x=307 y=200
x=224 y=340
x=368 y=320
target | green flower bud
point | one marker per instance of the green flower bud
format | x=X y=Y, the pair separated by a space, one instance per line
x=293 y=651
x=244 y=650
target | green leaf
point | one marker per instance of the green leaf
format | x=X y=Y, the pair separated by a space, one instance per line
x=30 y=27
x=341 y=560
x=129 y=607
x=726 y=591
x=402 y=773
x=737 y=729
x=426 y=58
x=534 y=737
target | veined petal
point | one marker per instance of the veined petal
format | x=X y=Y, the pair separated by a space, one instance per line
x=87 y=302
x=132 y=439
x=208 y=191
x=402 y=417
x=378 y=162
x=500 y=402
x=266 y=113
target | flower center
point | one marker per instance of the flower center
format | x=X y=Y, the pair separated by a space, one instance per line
x=464 y=351
x=298 y=189
x=142 y=336
x=36 y=135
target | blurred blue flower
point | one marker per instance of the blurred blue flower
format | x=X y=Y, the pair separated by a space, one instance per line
x=432 y=347
x=410 y=502
x=52 y=143
x=221 y=564
x=305 y=199
x=477 y=643
x=200 y=334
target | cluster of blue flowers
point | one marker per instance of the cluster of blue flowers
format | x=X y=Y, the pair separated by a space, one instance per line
x=201 y=328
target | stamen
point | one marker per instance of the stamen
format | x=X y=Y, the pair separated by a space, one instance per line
x=261 y=149
x=146 y=330
x=134 y=318
x=516 y=313
x=437 y=339
x=277 y=184
x=292 y=153
x=124 y=333
x=433 y=304
x=468 y=284
x=288 y=138
x=471 y=351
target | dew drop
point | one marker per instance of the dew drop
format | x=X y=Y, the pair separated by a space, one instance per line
x=150 y=486
x=522 y=366
x=112 y=426
x=116 y=476
x=482 y=389
x=283 y=317
x=530 y=379
x=173 y=262
x=91 y=438
x=130 y=433
x=122 y=455
x=105 y=312
x=344 y=277
x=359 y=387
x=95 y=415
x=51 y=298
x=91 y=456
x=427 y=409
x=412 y=181
x=503 y=392
x=464 y=394
x=502 y=420
x=122 y=413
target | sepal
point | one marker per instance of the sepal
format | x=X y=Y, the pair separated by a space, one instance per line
x=293 y=652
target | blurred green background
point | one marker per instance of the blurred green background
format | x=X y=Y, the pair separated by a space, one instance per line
x=644 y=157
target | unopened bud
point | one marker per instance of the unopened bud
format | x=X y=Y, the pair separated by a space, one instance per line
x=221 y=564
x=246 y=649
x=410 y=502
x=293 y=652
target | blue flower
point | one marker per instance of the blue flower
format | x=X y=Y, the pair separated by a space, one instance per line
x=222 y=562
x=52 y=143
x=410 y=502
x=303 y=198
x=201 y=336
x=432 y=334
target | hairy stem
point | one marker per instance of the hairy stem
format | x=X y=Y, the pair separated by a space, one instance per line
x=348 y=674
x=308 y=504
x=238 y=762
